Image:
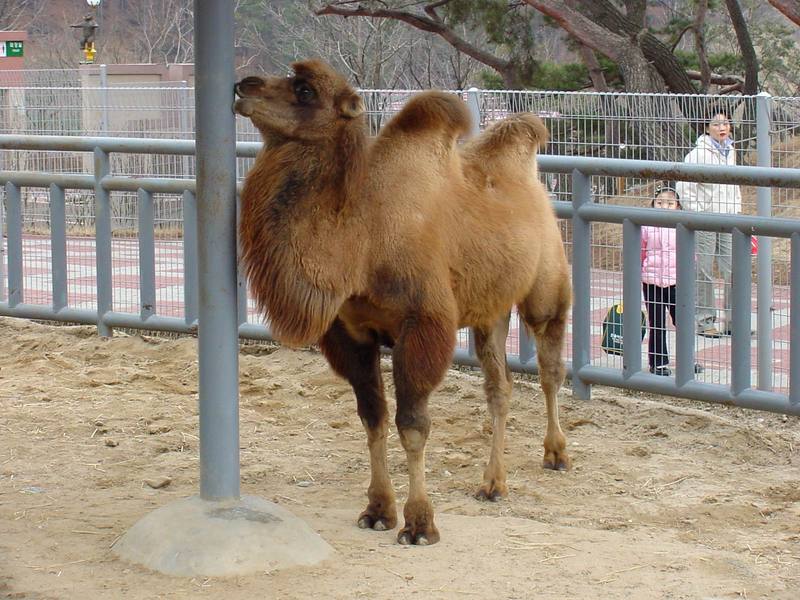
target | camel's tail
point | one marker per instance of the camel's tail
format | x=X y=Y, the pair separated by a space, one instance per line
x=517 y=137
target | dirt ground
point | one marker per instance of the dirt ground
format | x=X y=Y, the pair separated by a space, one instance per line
x=667 y=499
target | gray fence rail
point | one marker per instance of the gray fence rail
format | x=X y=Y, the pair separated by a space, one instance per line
x=581 y=213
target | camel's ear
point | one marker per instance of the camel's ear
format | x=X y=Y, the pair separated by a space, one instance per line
x=351 y=105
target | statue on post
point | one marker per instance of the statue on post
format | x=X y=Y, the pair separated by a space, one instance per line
x=88 y=28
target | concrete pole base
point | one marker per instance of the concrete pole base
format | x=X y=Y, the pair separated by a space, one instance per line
x=193 y=536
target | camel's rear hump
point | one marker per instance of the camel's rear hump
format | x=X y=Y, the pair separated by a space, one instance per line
x=517 y=137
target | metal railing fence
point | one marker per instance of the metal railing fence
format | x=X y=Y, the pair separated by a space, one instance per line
x=117 y=287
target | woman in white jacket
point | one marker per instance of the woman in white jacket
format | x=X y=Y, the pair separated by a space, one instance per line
x=713 y=148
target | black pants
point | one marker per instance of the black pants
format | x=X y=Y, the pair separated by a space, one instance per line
x=658 y=299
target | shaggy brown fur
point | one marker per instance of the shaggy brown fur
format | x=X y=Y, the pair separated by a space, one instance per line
x=401 y=241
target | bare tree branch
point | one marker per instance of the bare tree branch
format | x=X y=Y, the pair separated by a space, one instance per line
x=431 y=25
x=789 y=8
x=716 y=78
x=18 y=14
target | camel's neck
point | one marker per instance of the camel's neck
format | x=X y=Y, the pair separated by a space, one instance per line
x=303 y=234
x=304 y=178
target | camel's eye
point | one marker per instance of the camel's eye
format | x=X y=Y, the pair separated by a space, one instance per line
x=304 y=92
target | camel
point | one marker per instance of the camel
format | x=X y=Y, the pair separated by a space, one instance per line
x=400 y=241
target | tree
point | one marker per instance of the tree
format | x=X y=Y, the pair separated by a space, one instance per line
x=619 y=30
x=515 y=69
x=18 y=14
x=371 y=52
x=746 y=47
x=375 y=53
x=164 y=30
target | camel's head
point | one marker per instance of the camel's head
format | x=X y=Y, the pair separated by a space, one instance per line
x=312 y=104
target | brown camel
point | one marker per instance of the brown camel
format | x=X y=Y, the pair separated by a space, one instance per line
x=401 y=241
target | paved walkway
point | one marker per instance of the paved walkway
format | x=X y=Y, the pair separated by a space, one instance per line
x=714 y=354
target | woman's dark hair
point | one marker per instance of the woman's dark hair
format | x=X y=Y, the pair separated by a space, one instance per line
x=714 y=110
x=666 y=186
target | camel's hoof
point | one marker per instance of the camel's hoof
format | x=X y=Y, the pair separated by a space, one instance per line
x=557 y=462
x=370 y=520
x=492 y=492
x=419 y=528
x=488 y=496
x=407 y=538
x=367 y=522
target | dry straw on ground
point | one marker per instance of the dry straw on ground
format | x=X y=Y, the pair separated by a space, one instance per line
x=668 y=499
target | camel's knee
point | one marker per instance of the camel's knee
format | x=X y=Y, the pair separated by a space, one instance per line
x=552 y=375
x=413 y=431
x=497 y=381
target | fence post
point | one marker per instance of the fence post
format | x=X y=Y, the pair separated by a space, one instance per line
x=764 y=257
x=473 y=103
x=14 y=239
x=741 y=293
x=58 y=247
x=190 y=287
x=102 y=227
x=685 y=305
x=794 y=324
x=581 y=285
x=2 y=257
x=147 y=255
x=631 y=298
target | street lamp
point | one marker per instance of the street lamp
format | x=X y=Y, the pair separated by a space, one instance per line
x=93 y=3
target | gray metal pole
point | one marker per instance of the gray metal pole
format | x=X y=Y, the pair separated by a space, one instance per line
x=190 y=286
x=216 y=221
x=2 y=255
x=685 y=306
x=473 y=103
x=764 y=258
x=742 y=286
x=58 y=247
x=147 y=255
x=581 y=284
x=103 y=241
x=16 y=281
x=794 y=325
x=631 y=298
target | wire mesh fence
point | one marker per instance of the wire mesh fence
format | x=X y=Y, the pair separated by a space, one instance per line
x=612 y=125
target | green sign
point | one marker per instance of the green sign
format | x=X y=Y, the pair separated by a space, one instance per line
x=10 y=49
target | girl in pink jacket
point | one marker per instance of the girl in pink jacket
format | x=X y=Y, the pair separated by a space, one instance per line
x=659 y=275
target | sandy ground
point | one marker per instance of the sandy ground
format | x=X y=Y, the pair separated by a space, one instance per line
x=667 y=499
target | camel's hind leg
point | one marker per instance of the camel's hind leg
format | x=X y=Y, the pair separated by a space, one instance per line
x=549 y=329
x=421 y=356
x=359 y=363
x=490 y=345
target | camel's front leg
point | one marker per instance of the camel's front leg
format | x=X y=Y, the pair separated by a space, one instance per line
x=359 y=363
x=421 y=357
